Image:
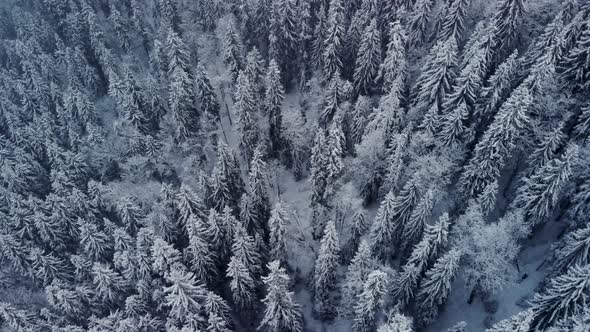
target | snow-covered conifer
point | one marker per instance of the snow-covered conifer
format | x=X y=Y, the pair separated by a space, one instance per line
x=272 y=103
x=325 y=272
x=436 y=286
x=277 y=225
x=333 y=42
x=370 y=301
x=369 y=59
x=281 y=312
x=361 y=265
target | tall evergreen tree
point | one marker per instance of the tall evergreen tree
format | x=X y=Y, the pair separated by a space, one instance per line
x=395 y=63
x=369 y=301
x=453 y=23
x=277 y=225
x=247 y=109
x=333 y=43
x=281 y=312
x=575 y=249
x=325 y=272
x=564 y=297
x=272 y=103
x=232 y=52
x=361 y=265
x=418 y=21
x=436 y=287
x=369 y=59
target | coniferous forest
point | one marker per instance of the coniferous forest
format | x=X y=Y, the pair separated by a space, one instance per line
x=294 y=165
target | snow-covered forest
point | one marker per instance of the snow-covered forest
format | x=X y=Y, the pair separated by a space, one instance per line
x=294 y=165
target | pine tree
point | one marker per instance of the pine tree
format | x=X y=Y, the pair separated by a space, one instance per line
x=575 y=250
x=319 y=37
x=281 y=312
x=436 y=287
x=232 y=52
x=244 y=248
x=226 y=182
x=542 y=189
x=436 y=78
x=582 y=128
x=395 y=62
x=434 y=240
x=497 y=143
x=189 y=205
x=273 y=102
x=325 y=272
x=277 y=225
x=108 y=283
x=547 y=148
x=576 y=70
x=246 y=108
x=205 y=96
x=397 y=322
x=242 y=284
x=406 y=283
x=369 y=301
x=333 y=42
x=198 y=253
x=319 y=162
x=181 y=96
x=418 y=21
x=564 y=297
x=184 y=296
x=384 y=228
x=507 y=21
x=412 y=231
x=369 y=59
x=361 y=265
x=520 y=322
x=497 y=87
x=453 y=24
x=258 y=201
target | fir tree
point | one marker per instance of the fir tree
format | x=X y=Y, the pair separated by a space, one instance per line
x=395 y=62
x=367 y=64
x=369 y=301
x=246 y=108
x=360 y=266
x=232 y=53
x=205 y=96
x=397 y=322
x=198 y=253
x=497 y=143
x=242 y=284
x=506 y=21
x=453 y=24
x=272 y=103
x=258 y=201
x=436 y=287
x=520 y=322
x=333 y=42
x=184 y=295
x=281 y=312
x=418 y=21
x=412 y=231
x=384 y=227
x=437 y=77
x=564 y=297
x=575 y=250
x=434 y=240
x=325 y=272
x=541 y=191
x=277 y=225
x=406 y=283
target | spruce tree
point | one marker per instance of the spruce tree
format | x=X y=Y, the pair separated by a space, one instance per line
x=454 y=21
x=418 y=21
x=247 y=109
x=258 y=199
x=273 y=102
x=325 y=272
x=520 y=322
x=369 y=301
x=369 y=59
x=436 y=78
x=232 y=52
x=333 y=42
x=436 y=286
x=575 y=249
x=497 y=143
x=413 y=229
x=564 y=297
x=383 y=229
x=205 y=96
x=360 y=266
x=395 y=63
x=241 y=283
x=277 y=225
x=405 y=284
x=507 y=21
x=184 y=296
x=281 y=312
x=576 y=70
x=542 y=189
